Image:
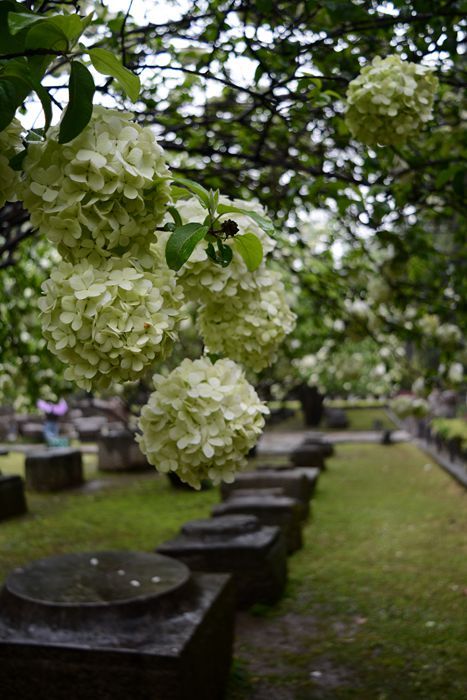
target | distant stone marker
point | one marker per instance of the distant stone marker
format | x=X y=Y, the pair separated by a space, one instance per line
x=114 y=626
x=12 y=499
x=54 y=469
x=118 y=452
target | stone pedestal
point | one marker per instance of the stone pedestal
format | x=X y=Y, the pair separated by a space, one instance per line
x=53 y=470
x=336 y=418
x=281 y=511
x=326 y=447
x=308 y=456
x=114 y=626
x=293 y=483
x=12 y=500
x=118 y=452
x=237 y=544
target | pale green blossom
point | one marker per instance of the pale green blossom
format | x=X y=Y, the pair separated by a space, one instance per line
x=249 y=327
x=110 y=323
x=103 y=192
x=201 y=421
x=390 y=101
x=10 y=145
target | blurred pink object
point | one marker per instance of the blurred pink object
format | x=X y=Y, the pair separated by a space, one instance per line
x=54 y=409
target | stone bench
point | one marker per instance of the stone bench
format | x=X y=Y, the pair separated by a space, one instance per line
x=281 y=511
x=12 y=499
x=115 y=626
x=326 y=447
x=254 y=554
x=54 y=469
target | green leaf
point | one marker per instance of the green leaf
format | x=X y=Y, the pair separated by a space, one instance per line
x=79 y=110
x=265 y=224
x=225 y=254
x=71 y=25
x=19 y=20
x=194 y=188
x=8 y=102
x=105 y=62
x=250 y=248
x=182 y=243
x=175 y=215
x=46 y=35
x=17 y=161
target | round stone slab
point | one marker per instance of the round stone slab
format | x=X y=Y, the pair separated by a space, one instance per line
x=97 y=579
x=225 y=526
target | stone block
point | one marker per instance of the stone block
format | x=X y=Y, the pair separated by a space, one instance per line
x=326 y=446
x=308 y=456
x=89 y=427
x=336 y=418
x=281 y=511
x=253 y=554
x=115 y=626
x=294 y=484
x=118 y=452
x=12 y=499
x=32 y=431
x=54 y=469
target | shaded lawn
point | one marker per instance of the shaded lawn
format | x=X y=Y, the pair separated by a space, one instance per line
x=126 y=512
x=376 y=605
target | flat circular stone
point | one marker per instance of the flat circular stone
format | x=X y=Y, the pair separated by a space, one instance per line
x=97 y=579
x=225 y=526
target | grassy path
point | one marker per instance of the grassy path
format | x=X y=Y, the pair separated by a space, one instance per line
x=377 y=601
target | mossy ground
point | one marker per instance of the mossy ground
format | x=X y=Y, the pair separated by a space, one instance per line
x=376 y=604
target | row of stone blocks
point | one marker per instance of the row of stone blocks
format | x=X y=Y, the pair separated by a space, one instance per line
x=119 y=625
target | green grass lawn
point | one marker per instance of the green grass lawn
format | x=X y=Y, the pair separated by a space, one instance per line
x=376 y=607
x=376 y=604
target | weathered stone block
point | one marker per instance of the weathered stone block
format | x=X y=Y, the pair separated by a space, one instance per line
x=255 y=555
x=336 y=418
x=12 y=500
x=33 y=431
x=54 y=469
x=308 y=456
x=89 y=427
x=118 y=452
x=312 y=474
x=326 y=446
x=293 y=483
x=115 y=626
x=282 y=511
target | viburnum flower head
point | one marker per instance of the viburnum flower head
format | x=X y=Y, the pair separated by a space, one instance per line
x=250 y=327
x=102 y=192
x=109 y=323
x=200 y=277
x=390 y=101
x=10 y=145
x=201 y=421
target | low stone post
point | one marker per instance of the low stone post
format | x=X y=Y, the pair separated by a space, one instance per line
x=54 y=469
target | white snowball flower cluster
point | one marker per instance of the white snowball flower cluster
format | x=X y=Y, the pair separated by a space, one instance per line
x=201 y=421
x=390 y=101
x=201 y=279
x=108 y=323
x=101 y=192
x=10 y=145
x=250 y=327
